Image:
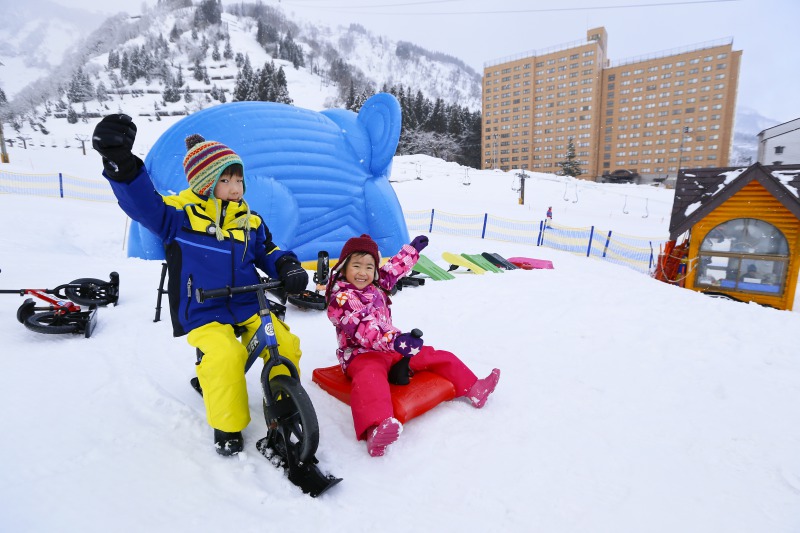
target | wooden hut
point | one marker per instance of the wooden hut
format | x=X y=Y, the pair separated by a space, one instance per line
x=740 y=229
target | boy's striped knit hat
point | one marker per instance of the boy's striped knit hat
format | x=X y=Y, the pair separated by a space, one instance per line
x=204 y=163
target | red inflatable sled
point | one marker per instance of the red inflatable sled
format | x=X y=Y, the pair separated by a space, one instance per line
x=529 y=263
x=424 y=392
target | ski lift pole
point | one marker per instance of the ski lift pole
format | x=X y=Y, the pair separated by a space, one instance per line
x=522 y=178
x=3 y=154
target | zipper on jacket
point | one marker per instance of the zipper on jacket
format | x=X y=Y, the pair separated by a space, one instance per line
x=188 y=297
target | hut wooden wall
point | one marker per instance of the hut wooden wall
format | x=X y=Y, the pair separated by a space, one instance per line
x=753 y=201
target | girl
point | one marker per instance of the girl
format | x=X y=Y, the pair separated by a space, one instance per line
x=369 y=345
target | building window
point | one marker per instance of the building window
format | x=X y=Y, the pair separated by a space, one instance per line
x=779 y=149
x=744 y=254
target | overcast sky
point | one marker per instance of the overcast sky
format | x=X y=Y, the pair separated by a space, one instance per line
x=478 y=31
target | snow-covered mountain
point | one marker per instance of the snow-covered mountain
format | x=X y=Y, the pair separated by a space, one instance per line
x=43 y=43
x=31 y=50
x=749 y=123
x=35 y=38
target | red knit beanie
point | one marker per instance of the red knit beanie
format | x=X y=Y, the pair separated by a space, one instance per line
x=360 y=244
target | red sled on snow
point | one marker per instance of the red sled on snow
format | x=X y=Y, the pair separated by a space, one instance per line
x=529 y=263
x=424 y=391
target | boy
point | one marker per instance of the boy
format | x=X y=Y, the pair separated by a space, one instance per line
x=211 y=240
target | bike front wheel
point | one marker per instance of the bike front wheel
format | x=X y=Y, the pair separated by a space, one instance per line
x=296 y=423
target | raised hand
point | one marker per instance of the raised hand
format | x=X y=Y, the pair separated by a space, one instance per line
x=113 y=139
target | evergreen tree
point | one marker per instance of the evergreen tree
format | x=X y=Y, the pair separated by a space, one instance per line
x=420 y=108
x=208 y=12
x=72 y=116
x=101 y=92
x=437 y=121
x=290 y=51
x=80 y=87
x=124 y=66
x=570 y=166
x=265 y=87
x=282 y=88
x=455 y=120
x=244 y=82
x=362 y=97
x=198 y=70
x=187 y=95
x=228 y=52
x=215 y=55
x=174 y=34
x=113 y=59
x=351 y=97
x=171 y=93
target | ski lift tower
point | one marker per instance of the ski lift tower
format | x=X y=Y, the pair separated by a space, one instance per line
x=684 y=133
x=522 y=177
x=3 y=154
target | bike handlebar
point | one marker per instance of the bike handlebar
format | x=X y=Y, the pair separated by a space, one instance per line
x=202 y=295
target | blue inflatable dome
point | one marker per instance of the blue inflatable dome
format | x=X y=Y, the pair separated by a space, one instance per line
x=316 y=178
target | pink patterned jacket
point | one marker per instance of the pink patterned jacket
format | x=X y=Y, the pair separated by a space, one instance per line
x=362 y=318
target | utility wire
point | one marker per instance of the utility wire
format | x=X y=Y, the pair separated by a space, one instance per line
x=500 y=12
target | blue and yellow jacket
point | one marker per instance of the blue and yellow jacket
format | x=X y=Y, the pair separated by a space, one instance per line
x=196 y=258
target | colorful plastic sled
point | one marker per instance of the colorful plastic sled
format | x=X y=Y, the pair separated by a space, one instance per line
x=431 y=269
x=499 y=261
x=482 y=262
x=459 y=261
x=529 y=263
x=424 y=391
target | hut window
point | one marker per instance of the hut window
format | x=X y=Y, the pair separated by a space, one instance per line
x=743 y=254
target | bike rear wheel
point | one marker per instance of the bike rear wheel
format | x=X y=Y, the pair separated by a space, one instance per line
x=296 y=427
x=92 y=291
x=51 y=322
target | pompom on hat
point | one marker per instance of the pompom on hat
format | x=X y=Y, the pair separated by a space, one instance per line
x=204 y=163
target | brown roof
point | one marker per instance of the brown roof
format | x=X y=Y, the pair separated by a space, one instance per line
x=699 y=191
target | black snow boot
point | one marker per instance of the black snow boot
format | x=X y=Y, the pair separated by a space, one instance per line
x=228 y=443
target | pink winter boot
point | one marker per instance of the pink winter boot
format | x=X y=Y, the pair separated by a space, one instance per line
x=482 y=388
x=382 y=435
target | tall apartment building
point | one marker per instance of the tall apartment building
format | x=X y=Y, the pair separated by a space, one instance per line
x=652 y=114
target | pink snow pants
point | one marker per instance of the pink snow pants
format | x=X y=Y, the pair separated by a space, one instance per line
x=370 y=398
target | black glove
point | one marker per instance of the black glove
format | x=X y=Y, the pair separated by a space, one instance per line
x=292 y=274
x=113 y=138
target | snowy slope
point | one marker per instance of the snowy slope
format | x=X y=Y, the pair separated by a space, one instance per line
x=625 y=405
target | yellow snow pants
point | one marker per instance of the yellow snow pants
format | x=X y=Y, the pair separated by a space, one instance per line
x=221 y=371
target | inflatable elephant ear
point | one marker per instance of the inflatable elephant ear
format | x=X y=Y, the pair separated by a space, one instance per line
x=373 y=134
x=379 y=115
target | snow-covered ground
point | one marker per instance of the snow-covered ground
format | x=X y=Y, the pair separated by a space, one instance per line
x=625 y=405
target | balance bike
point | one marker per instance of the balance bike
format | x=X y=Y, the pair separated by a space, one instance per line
x=63 y=312
x=292 y=427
